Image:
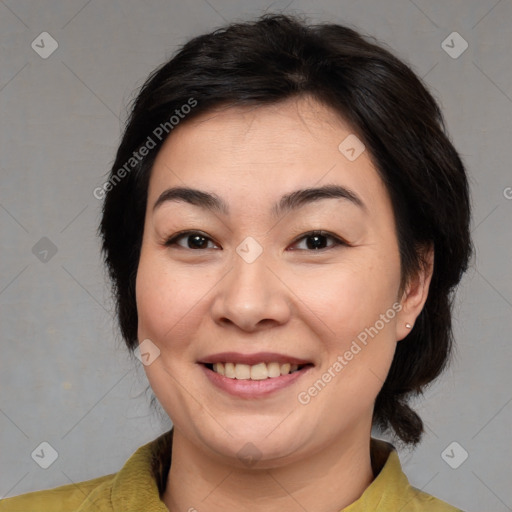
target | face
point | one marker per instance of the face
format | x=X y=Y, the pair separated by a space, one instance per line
x=270 y=285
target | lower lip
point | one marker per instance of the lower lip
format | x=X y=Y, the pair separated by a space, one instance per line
x=253 y=388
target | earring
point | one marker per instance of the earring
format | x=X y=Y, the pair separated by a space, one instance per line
x=409 y=326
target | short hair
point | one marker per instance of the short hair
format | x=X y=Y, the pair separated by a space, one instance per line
x=278 y=57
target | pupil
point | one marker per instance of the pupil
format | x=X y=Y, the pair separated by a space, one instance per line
x=316 y=242
x=196 y=242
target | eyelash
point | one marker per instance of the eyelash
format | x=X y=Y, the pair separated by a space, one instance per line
x=337 y=240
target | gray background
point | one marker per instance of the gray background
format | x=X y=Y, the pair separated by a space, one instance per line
x=65 y=376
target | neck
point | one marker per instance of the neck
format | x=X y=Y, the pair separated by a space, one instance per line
x=330 y=479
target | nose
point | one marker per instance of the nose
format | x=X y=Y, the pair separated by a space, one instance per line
x=251 y=297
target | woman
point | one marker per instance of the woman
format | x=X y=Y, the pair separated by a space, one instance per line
x=284 y=226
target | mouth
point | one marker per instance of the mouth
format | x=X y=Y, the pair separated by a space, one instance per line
x=253 y=375
x=260 y=371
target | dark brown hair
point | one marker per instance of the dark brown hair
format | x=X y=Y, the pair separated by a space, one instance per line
x=278 y=57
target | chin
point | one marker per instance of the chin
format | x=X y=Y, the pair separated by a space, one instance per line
x=261 y=443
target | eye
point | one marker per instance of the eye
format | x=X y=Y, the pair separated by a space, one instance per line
x=317 y=241
x=191 y=240
x=312 y=241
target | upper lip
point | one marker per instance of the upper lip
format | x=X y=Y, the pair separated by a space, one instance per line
x=252 y=359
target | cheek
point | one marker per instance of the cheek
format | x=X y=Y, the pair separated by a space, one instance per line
x=165 y=299
x=355 y=306
x=349 y=297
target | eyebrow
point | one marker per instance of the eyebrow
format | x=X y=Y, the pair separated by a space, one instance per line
x=289 y=202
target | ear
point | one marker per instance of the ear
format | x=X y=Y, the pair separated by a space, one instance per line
x=415 y=294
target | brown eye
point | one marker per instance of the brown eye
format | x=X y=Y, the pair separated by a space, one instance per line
x=190 y=240
x=317 y=240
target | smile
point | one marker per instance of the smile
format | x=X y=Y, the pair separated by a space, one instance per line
x=255 y=375
x=260 y=371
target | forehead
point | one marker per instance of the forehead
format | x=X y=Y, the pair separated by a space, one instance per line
x=264 y=151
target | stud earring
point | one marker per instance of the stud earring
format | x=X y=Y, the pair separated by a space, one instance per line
x=409 y=326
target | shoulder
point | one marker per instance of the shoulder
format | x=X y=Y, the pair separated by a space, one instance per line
x=66 y=498
x=391 y=490
x=136 y=486
x=419 y=501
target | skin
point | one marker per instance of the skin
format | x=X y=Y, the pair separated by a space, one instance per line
x=292 y=299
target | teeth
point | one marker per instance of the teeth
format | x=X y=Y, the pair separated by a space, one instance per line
x=242 y=371
x=274 y=370
x=260 y=371
x=285 y=368
x=219 y=368
x=229 y=370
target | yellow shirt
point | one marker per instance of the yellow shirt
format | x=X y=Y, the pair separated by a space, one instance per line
x=137 y=487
